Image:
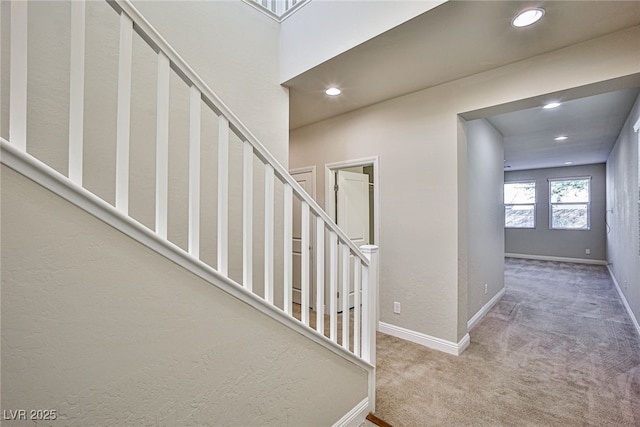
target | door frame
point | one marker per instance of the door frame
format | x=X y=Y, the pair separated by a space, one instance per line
x=306 y=169
x=330 y=182
x=312 y=234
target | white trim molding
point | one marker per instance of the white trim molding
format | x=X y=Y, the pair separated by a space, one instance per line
x=305 y=169
x=485 y=309
x=35 y=170
x=557 y=258
x=624 y=300
x=425 y=340
x=356 y=416
x=330 y=181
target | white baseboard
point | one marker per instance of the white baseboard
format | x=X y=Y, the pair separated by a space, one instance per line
x=557 y=258
x=484 y=310
x=424 y=339
x=624 y=301
x=356 y=416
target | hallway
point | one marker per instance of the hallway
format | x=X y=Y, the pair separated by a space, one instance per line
x=558 y=349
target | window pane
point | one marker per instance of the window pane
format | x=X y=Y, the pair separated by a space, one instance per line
x=519 y=216
x=570 y=191
x=570 y=216
x=519 y=192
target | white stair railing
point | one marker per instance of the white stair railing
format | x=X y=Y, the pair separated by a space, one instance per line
x=356 y=337
x=279 y=9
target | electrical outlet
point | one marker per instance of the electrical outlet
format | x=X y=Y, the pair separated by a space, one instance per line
x=396 y=307
x=587 y=251
x=486 y=288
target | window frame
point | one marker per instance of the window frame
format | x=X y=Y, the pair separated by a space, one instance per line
x=534 y=204
x=588 y=203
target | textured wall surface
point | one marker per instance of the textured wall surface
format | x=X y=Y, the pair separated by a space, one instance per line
x=415 y=137
x=107 y=332
x=231 y=45
x=561 y=243
x=486 y=231
x=623 y=240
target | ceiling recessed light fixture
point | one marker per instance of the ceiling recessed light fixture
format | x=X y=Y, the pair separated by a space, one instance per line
x=551 y=105
x=561 y=138
x=568 y=163
x=333 y=91
x=527 y=17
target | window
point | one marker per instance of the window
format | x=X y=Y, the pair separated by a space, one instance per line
x=570 y=203
x=520 y=204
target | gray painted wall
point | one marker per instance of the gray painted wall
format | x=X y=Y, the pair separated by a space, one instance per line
x=561 y=243
x=107 y=332
x=485 y=149
x=423 y=170
x=322 y=30
x=623 y=187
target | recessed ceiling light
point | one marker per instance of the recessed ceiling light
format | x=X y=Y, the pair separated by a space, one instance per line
x=568 y=163
x=527 y=17
x=561 y=138
x=551 y=105
x=333 y=91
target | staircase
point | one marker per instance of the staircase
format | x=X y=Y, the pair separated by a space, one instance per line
x=252 y=185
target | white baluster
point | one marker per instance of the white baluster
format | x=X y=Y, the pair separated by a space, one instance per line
x=288 y=248
x=320 y=275
x=333 y=286
x=370 y=315
x=369 y=303
x=304 y=279
x=223 y=194
x=366 y=314
x=279 y=7
x=345 y=296
x=357 y=268
x=162 y=145
x=268 y=232
x=76 y=91
x=194 y=171
x=124 y=114
x=18 y=76
x=247 y=216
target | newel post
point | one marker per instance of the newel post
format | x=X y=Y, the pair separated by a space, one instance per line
x=370 y=316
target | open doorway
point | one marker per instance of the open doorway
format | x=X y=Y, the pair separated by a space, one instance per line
x=522 y=162
x=351 y=199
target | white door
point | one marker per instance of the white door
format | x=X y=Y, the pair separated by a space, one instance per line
x=306 y=181
x=352 y=213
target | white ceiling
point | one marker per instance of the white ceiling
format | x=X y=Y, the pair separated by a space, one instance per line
x=478 y=37
x=592 y=125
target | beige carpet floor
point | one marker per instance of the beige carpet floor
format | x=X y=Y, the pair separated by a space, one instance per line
x=557 y=350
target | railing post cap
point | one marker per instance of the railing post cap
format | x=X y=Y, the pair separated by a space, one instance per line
x=369 y=249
